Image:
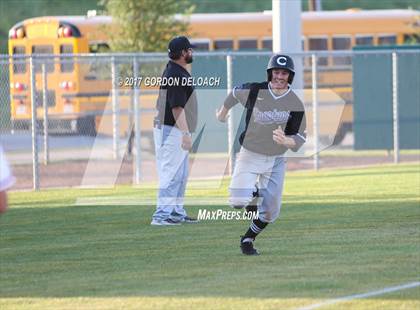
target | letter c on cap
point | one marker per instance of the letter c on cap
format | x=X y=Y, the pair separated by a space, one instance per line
x=282 y=60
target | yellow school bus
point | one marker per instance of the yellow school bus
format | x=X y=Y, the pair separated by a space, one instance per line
x=75 y=94
x=321 y=31
x=71 y=94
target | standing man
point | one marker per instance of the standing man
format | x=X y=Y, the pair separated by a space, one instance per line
x=174 y=125
x=275 y=123
x=6 y=181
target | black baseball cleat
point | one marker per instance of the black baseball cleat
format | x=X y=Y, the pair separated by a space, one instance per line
x=164 y=222
x=189 y=220
x=247 y=247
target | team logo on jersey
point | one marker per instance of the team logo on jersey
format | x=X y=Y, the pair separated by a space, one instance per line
x=271 y=117
x=282 y=61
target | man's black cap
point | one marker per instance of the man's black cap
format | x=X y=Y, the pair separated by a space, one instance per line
x=178 y=44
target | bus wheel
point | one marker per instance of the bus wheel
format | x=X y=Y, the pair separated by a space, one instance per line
x=86 y=126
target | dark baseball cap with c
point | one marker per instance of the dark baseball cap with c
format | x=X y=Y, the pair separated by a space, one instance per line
x=178 y=44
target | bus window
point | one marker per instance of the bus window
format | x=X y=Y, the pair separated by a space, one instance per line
x=44 y=49
x=97 y=69
x=201 y=45
x=341 y=43
x=387 y=40
x=98 y=48
x=364 y=40
x=248 y=44
x=19 y=65
x=319 y=44
x=223 y=44
x=66 y=63
x=267 y=44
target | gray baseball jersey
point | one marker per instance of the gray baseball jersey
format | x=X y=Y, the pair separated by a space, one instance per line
x=261 y=159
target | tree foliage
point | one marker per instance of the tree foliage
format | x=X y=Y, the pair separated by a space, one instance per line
x=146 y=25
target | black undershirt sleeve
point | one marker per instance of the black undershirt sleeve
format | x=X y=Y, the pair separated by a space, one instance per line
x=296 y=128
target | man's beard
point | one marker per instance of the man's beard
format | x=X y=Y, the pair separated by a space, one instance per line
x=188 y=59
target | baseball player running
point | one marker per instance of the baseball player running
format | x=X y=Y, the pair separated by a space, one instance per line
x=275 y=122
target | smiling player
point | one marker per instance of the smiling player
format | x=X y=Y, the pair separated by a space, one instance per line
x=275 y=123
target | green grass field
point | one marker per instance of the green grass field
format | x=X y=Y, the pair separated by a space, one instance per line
x=341 y=232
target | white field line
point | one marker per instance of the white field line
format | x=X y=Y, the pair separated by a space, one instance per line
x=364 y=295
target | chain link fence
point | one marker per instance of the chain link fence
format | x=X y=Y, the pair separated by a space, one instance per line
x=87 y=120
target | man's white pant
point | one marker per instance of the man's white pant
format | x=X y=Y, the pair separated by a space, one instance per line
x=172 y=168
x=265 y=171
